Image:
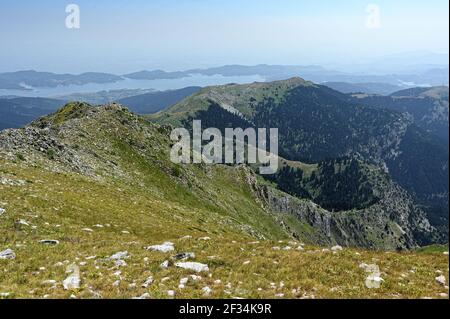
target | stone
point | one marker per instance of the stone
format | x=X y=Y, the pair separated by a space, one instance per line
x=204 y=238
x=7 y=254
x=336 y=248
x=164 y=264
x=73 y=281
x=197 y=267
x=10 y=182
x=372 y=268
x=119 y=255
x=49 y=242
x=441 y=280
x=164 y=248
x=87 y=230
x=183 y=256
x=2 y=211
x=23 y=222
x=171 y=293
x=206 y=291
x=373 y=281
x=144 y=296
x=148 y=282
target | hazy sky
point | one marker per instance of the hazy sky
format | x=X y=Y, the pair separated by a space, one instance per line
x=122 y=36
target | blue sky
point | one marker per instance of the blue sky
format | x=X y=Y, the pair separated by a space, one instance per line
x=121 y=36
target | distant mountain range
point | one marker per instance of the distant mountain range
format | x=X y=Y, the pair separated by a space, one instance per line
x=27 y=80
x=370 y=88
x=16 y=112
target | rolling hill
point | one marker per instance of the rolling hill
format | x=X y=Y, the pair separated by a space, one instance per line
x=317 y=123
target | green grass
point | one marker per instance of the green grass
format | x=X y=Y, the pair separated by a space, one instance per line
x=61 y=205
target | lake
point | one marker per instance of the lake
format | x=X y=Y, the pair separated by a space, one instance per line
x=160 y=85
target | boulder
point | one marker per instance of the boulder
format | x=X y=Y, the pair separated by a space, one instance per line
x=441 y=280
x=206 y=291
x=164 y=264
x=147 y=282
x=49 y=242
x=165 y=247
x=183 y=256
x=119 y=255
x=73 y=281
x=197 y=267
x=7 y=254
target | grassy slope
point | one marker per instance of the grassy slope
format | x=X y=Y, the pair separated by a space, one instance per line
x=147 y=206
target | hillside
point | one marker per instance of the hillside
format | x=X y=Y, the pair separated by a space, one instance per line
x=153 y=102
x=316 y=123
x=369 y=88
x=428 y=107
x=19 y=111
x=93 y=182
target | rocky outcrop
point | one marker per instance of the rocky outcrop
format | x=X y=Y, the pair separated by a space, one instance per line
x=393 y=223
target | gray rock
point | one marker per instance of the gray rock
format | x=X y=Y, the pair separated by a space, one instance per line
x=119 y=255
x=206 y=291
x=197 y=267
x=147 y=282
x=144 y=296
x=2 y=211
x=7 y=254
x=441 y=280
x=49 y=242
x=165 y=247
x=183 y=256
x=73 y=281
x=373 y=280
